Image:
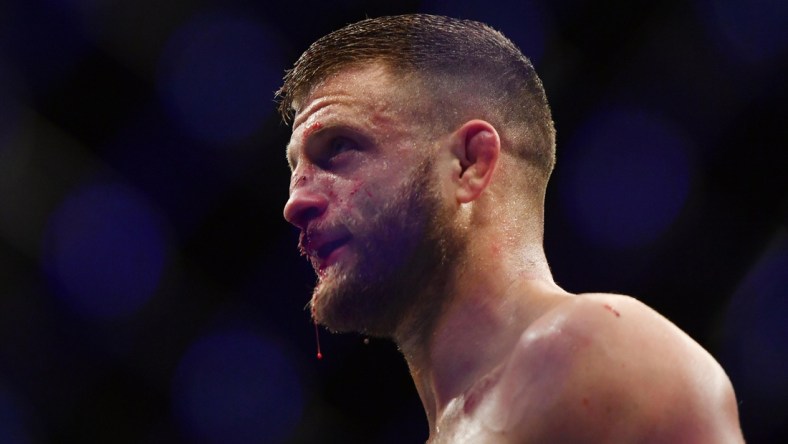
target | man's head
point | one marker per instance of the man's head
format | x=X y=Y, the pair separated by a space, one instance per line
x=397 y=123
x=457 y=69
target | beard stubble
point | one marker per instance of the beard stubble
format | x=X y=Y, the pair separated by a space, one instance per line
x=403 y=259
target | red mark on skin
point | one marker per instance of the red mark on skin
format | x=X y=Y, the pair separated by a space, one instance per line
x=475 y=395
x=356 y=186
x=470 y=404
x=311 y=129
x=317 y=339
x=585 y=402
x=612 y=310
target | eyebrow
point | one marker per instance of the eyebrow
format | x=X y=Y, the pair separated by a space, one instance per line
x=315 y=128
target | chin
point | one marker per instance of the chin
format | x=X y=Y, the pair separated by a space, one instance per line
x=343 y=304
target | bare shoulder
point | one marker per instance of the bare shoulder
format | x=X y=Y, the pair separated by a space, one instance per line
x=607 y=368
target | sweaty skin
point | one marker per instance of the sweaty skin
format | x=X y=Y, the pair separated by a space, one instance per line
x=498 y=352
x=582 y=373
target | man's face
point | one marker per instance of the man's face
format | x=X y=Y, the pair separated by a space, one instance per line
x=363 y=194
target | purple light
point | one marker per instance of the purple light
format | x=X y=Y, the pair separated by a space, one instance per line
x=756 y=326
x=626 y=177
x=237 y=387
x=105 y=250
x=217 y=76
x=13 y=421
x=749 y=30
x=755 y=343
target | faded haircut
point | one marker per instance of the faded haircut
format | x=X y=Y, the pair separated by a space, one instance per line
x=468 y=69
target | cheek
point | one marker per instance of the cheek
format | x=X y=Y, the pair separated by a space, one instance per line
x=360 y=190
x=348 y=197
x=360 y=198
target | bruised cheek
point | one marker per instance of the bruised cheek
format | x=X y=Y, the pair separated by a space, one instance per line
x=349 y=197
x=358 y=197
x=359 y=189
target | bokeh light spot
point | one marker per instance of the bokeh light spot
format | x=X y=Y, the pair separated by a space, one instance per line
x=523 y=22
x=756 y=325
x=750 y=30
x=626 y=177
x=755 y=340
x=105 y=250
x=12 y=420
x=217 y=76
x=237 y=387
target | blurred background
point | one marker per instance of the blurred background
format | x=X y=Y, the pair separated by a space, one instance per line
x=150 y=291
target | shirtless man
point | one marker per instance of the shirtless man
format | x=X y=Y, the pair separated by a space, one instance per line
x=420 y=154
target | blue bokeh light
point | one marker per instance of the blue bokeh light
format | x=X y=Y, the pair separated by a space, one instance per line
x=755 y=343
x=217 y=76
x=750 y=30
x=10 y=104
x=523 y=22
x=12 y=420
x=105 y=250
x=626 y=177
x=237 y=387
x=756 y=326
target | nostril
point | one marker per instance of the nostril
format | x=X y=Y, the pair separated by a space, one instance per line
x=304 y=206
x=310 y=214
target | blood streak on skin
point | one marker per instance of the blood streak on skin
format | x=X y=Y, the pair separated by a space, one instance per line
x=317 y=338
x=311 y=129
x=612 y=310
x=356 y=186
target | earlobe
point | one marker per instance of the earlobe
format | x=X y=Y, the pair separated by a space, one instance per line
x=477 y=150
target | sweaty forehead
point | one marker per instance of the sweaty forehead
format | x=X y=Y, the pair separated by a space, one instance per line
x=372 y=85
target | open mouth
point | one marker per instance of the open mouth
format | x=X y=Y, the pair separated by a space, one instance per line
x=326 y=249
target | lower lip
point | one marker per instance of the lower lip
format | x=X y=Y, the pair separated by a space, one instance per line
x=333 y=257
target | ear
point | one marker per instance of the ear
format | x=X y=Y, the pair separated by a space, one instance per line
x=477 y=148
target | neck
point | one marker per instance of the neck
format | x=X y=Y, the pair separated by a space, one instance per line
x=488 y=304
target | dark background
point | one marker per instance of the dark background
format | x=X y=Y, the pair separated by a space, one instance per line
x=150 y=290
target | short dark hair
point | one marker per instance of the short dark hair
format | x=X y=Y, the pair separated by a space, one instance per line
x=456 y=59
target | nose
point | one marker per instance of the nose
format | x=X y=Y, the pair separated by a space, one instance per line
x=305 y=204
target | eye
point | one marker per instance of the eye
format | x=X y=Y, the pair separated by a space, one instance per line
x=333 y=154
x=334 y=149
x=339 y=145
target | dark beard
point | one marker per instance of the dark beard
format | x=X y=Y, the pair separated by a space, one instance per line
x=403 y=262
